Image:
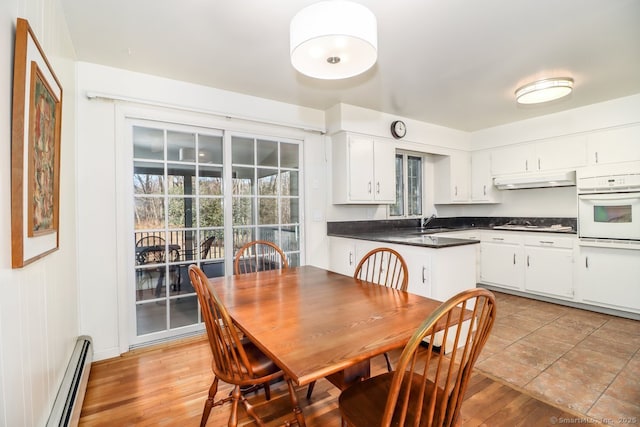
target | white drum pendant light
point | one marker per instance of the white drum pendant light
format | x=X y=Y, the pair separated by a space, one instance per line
x=334 y=39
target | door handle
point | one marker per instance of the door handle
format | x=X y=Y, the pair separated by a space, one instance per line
x=498 y=238
x=423 y=270
x=378 y=187
x=350 y=258
x=484 y=190
x=514 y=259
x=369 y=187
x=527 y=260
x=586 y=262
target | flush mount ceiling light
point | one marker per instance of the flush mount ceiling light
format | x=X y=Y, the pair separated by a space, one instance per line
x=334 y=39
x=544 y=90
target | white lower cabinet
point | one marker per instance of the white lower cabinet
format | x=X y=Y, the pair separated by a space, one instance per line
x=419 y=266
x=545 y=264
x=342 y=256
x=549 y=265
x=501 y=260
x=437 y=273
x=540 y=263
x=468 y=235
x=609 y=277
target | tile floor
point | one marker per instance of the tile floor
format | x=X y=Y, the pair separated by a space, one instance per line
x=588 y=362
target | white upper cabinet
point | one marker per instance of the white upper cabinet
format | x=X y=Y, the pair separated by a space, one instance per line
x=614 y=145
x=482 y=188
x=568 y=152
x=512 y=159
x=464 y=178
x=559 y=153
x=452 y=178
x=363 y=169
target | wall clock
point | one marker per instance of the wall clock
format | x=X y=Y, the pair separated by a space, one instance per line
x=398 y=129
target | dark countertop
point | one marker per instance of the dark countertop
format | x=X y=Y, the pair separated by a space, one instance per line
x=411 y=237
x=408 y=231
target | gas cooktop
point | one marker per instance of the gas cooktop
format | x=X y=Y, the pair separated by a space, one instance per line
x=523 y=227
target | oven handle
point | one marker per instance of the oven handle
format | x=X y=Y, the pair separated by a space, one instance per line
x=610 y=197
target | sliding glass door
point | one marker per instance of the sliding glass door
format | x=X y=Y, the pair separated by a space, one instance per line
x=195 y=190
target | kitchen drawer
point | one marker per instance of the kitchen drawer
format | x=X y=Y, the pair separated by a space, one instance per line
x=498 y=237
x=551 y=241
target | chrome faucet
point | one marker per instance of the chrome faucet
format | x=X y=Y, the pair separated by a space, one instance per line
x=425 y=221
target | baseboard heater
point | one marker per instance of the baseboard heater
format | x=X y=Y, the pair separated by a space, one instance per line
x=68 y=404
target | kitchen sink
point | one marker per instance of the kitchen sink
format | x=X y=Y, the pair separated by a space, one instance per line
x=422 y=238
x=432 y=230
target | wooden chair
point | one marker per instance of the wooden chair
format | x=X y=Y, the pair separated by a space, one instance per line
x=383 y=266
x=427 y=387
x=259 y=255
x=235 y=361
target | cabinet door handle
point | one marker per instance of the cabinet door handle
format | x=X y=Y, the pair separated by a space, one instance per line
x=538 y=163
x=526 y=165
x=527 y=260
x=350 y=258
x=514 y=259
x=455 y=191
x=378 y=187
x=586 y=262
x=547 y=242
x=369 y=187
x=484 y=190
x=423 y=270
x=596 y=157
x=497 y=238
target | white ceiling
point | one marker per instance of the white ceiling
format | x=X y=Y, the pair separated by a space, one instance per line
x=454 y=63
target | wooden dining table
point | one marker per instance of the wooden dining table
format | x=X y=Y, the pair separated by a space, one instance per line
x=314 y=323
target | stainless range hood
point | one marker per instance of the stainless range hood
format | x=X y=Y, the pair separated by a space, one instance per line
x=535 y=180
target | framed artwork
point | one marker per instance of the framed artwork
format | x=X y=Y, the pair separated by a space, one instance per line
x=35 y=151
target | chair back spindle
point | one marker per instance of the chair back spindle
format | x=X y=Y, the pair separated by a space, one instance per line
x=383 y=266
x=259 y=255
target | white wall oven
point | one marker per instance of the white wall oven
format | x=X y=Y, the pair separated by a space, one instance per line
x=609 y=204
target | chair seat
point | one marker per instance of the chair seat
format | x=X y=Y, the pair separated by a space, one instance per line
x=260 y=363
x=363 y=404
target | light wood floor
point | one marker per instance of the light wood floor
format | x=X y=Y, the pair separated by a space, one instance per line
x=167 y=385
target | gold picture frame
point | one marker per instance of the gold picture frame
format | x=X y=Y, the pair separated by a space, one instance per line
x=35 y=151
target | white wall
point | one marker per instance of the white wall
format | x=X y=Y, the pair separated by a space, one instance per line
x=106 y=297
x=617 y=112
x=38 y=303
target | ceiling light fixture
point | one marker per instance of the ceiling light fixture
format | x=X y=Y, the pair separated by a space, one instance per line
x=544 y=90
x=334 y=39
